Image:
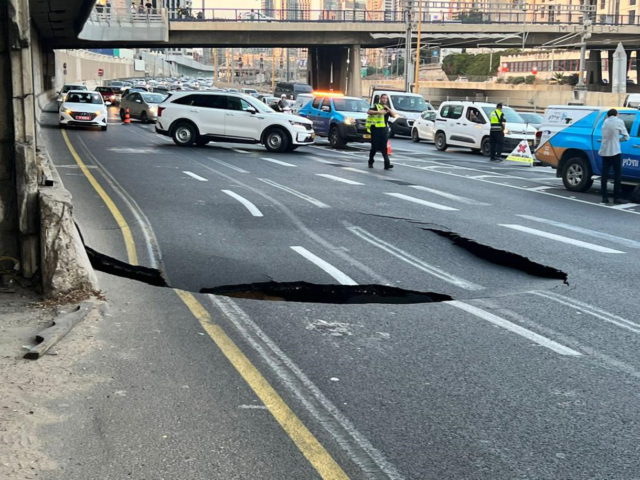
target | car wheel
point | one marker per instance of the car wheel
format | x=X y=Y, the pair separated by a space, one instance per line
x=293 y=147
x=201 y=142
x=62 y=125
x=143 y=117
x=334 y=138
x=276 y=140
x=184 y=134
x=103 y=128
x=576 y=175
x=485 y=147
x=441 y=141
x=415 y=136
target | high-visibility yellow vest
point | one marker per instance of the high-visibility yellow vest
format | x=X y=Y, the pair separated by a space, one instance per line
x=496 y=118
x=376 y=120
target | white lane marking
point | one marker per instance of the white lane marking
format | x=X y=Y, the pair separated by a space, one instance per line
x=338 y=179
x=237 y=150
x=298 y=194
x=132 y=150
x=592 y=233
x=412 y=260
x=591 y=310
x=333 y=152
x=560 y=238
x=248 y=205
x=480 y=177
x=537 y=189
x=517 y=329
x=573 y=199
x=193 y=175
x=624 y=205
x=278 y=162
x=252 y=407
x=450 y=196
x=228 y=165
x=357 y=446
x=419 y=201
x=342 y=278
x=318 y=159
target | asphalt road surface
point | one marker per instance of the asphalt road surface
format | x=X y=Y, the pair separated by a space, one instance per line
x=520 y=375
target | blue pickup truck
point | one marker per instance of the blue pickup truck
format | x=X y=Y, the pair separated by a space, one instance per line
x=573 y=150
x=341 y=119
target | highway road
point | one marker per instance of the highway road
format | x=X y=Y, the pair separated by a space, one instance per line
x=483 y=322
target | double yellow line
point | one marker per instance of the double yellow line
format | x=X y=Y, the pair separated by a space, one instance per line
x=306 y=442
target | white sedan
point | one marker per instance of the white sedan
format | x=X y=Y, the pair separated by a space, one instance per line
x=424 y=127
x=83 y=108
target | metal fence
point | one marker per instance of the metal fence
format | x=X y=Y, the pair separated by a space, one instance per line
x=135 y=14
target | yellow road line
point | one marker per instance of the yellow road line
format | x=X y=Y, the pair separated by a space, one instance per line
x=129 y=243
x=310 y=447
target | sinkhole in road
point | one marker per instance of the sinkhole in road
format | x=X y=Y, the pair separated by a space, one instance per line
x=502 y=257
x=275 y=291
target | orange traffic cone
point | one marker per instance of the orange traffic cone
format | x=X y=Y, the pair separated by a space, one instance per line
x=127 y=117
x=389 y=149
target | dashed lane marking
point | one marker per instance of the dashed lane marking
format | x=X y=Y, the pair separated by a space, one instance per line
x=339 y=276
x=560 y=238
x=278 y=162
x=247 y=204
x=450 y=196
x=193 y=175
x=338 y=179
x=228 y=165
x=419 y=201
x=296 y=193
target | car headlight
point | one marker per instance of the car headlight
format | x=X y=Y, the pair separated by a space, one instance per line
x=153 y=110
x=67 y=111
x=298 y=124
x=349 y=121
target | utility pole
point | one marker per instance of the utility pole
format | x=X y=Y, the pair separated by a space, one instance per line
x=407 y=45
x=416 y=87
x=287 y=54
x=214 y=54
x=585 y=35
x=273 y=69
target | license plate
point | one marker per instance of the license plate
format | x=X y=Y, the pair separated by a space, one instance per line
x=83 y=117
x=366 y=136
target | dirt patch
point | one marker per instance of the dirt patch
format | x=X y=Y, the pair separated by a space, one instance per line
x=29 y=388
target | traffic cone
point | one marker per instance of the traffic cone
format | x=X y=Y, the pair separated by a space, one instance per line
x=127 y=117
x=389 y=149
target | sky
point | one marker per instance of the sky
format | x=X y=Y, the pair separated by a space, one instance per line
x=228 y=3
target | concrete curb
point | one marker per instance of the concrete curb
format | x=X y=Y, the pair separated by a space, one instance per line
x=62 y=325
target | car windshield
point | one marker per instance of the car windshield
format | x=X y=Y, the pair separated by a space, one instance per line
x=81 y=97
x=66 y=88
x=409 y=103
x=350 y=105
x=153 y=97
x=531 y=117
x=300 y=88
x=510 y=115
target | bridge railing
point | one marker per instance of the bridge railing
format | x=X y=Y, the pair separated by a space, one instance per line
x=432 y=12
x=138 y=15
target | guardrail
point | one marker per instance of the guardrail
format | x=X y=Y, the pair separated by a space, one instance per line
x=432 y=12
x=138 y=15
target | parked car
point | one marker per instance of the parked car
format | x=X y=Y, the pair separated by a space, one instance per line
x=573 y=149
x=340 y=119
x=199 y=117
x=250 y=91
x=533 y=119
x=466 y=124
x=66 y=88
x=408 y=105
x=301 y=101
x=83 y=108
x=424 y=127
x=632 y=100
x=142 y=105
x=109 y=95
x=291 y=89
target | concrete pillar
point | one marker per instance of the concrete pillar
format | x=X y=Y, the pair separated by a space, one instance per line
x=328 y=68
x=8 y=209
x=19 y=158
x=594 y=68
x=610 y=67
x=354 y=84
x=638 y=67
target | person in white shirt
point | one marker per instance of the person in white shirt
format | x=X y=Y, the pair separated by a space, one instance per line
x=613 y=132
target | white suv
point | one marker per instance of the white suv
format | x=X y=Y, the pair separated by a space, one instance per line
x=466 y=124
x=200 y=117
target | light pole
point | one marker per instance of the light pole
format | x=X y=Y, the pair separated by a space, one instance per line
x=417 y=77
x=408 y=40
x=586 y=35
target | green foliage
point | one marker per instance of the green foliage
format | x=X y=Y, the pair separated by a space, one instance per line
x=515 y=80
x=530 y=79
x=468 y=65
x=562 y=79
x=472 y=16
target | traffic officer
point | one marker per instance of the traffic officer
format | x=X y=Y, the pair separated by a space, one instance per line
x=377 y=126
x=496 y=134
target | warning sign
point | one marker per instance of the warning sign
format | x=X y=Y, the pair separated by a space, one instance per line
x=521 y=154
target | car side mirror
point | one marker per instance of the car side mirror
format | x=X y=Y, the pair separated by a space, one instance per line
x=251 y=110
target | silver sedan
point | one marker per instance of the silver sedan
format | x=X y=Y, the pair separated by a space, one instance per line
x=141 y=105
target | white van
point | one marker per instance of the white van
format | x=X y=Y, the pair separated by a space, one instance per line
x=409 y=106
x=557 y=117
x=466 y=124
x=632 y=100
